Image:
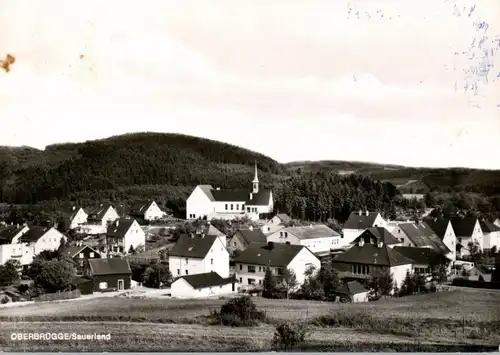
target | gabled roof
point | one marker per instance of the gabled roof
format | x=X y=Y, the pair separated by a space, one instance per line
x=361 y=221
x=283 y=217
x=9 y=232
x=272 y=254
x=207 y=190
x=422 y=235
x=119 y=227
x=438 y=225
x=33 y=234
x=351 y=288
x=73 y=210
x=370 y=254
x=195 y=246
x=252 y=236
x=208 y=279
x=113 y=266
x=463 y=226
x=98 y=213
x=242 y=195
x=488 y=227
x=380 y=234
x=73 y=251
x=312 y=232
x=422 y=256
x=140 y=208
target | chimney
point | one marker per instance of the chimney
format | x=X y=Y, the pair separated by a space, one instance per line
x=367 y=213
x=270 y=245
x=251 y=228
x=380 y=244
x=361 y=242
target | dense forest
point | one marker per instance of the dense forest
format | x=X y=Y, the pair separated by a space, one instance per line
x=166 y=167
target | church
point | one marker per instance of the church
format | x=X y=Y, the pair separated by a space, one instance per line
x=208 y=203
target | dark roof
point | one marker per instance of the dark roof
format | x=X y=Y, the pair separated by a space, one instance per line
x=380 y=234
x=33 y=234
x=208 y=279
x=194 y=246
x=357 y=221
x=9 y=232
x=113 y=266
x=98 y=213
x=252 y=236
x=242 y=195
x=140 y=208
x=370 y=254
x=463 y=226
x=272 y=254
x=421 y=234
x=73 y=251
x=312 y=231
x=422 y=256
x=72 y=211
x=438 y=225
x=119 y=227
x=351 y=288
x=488 y=227
x=284 y=217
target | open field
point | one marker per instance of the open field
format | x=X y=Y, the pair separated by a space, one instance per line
x=434 y=322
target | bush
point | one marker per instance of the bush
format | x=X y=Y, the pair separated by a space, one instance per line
x=239 y=312
x=289 y=335
x=5 y=300
x=157 y=275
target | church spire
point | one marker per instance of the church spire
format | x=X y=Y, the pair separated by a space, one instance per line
x=255 y=181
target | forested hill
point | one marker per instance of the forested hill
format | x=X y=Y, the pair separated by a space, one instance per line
x=60 y=171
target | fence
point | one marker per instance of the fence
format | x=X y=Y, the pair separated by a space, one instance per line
x=59 y=296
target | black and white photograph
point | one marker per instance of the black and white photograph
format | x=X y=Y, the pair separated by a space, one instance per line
x=250 y=176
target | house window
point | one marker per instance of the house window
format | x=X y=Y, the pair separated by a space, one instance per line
x=241 y=279
x=211 y=261
x=103 y=285
x=251 y=268
x=187 y=261
x=268 y=229
x=231 y=207
x=287 y=242
x=237 y=207
x=260 y=268
x=91 y=254
x=286 y=234
x=260 y=282
x=281 y=234
x=80 y=256
x=178 y=272
x=279 y=271
x=251 y=281
x=226 y=206
x=241 y=266
x=187 y=272
x=248 y=209
x=234 y=244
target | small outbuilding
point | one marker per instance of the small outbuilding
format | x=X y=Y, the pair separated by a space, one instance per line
x=353 y=291
x=203 y=285
x=109 y=274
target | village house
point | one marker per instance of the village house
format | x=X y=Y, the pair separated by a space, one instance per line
x=124 y=233
x=81 y=254
x=208 y=203
x=277 y=222
x=244 y=237
x=363 y=260
x=424 y=259
x=203 y=285
x=109 y=274
x=146 y=210
x=354 y=291
x=318 y=238
x=376 y=235
x=10 y=234
x=199 y=253
x=491 y=234
x=358 y=222
x=421 y=235
x=252 y=263
x=38 y=239
x=444 y=230
x=468 y=230
x=99 y=218
x=77 y=217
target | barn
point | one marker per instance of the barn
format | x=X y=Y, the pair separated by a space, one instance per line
x=109 y=274
x=203 y=285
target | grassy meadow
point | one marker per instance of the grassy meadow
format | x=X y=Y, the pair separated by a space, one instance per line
x=459 y=320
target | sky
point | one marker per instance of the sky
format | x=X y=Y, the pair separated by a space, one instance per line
x=366 y=80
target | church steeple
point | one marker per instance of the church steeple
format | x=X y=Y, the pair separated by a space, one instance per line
x=255 y=181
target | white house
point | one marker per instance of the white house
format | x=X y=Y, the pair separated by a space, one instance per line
x=468 y=230
x=318 y=238
x=252 y=263
x=244 y=237
x=77 y=217
x=491 y=234
x=148 y=211
x=205 y=202
x=203 y=285
x=99 y=218
x=275 y=223
x=496 y=222
x=124 y=233
x=358 y=222
x=444 y=230
x=10 y=234
x=199 y=253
